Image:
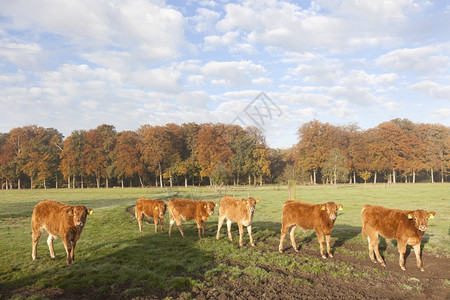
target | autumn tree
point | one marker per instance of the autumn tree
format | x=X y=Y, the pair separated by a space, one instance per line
x=127 y=157
x=212 y=148
x=335 y=167
x=161 y=149
x=71 y=156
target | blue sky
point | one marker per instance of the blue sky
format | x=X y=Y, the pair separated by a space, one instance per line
x=77 y=64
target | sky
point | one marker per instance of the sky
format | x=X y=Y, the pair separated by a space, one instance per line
x=74 y=65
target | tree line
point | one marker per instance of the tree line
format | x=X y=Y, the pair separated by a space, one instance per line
x=214 y=153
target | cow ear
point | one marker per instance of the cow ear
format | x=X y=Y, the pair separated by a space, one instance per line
x=156 y=207
x=216 y=204
x=70 y=213
x=90 y=211
x=431 y=215
x=257 y=200
x=204 y=205
x=410 y=216
x=244 y=200
x=323 y=207
x=340 y=207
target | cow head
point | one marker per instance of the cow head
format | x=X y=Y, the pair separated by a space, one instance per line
x=79 y=214
x=420 y=218
x=331 y=209
x=209 y=206
x=250 y=203
x=161 y=208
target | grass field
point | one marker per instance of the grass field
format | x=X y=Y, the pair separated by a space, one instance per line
x=114 y=260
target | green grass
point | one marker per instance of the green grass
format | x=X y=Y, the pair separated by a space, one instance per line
x=114 y=258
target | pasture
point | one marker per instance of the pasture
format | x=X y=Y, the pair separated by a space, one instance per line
x=114 y=260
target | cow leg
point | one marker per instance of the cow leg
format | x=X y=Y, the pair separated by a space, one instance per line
x=249 y=230
x=321 y=240
x=199 y=228
x=155 y=220
x=35 y=239
x=50 y=245
x=374 y=242
x=229 y=230
x=170 y=226
x=292 y=235
x=139 y=218
x=161 y=223
x=68 y=246
x=371 y=253
x=327 y=237
x=401 y=250
x=72 y=252
x=219 y=226
x=418 y=258
x=283 y=234
x=180 y=227
x=203 y=228
x=241 y=233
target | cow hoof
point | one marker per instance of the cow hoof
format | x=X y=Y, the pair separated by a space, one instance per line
x=330 y=255
x=403 y=268
x=324 y=257
x=374 y=261
x=280 y=250
x=384 y=265
x=422 y=269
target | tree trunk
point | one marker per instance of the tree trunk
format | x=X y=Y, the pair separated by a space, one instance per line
x=414 y=176
x=432 y=175
x=249 y=180
x=31 y=182
x=107 y=182
x=442 y=174
x=56 y=183
x=185 y=181
x=260 y=179
x=354 y=177
x=68 y=182
x=140 y=180
x=160 y=177
x=131 y=183
x=73 y=181
x=375 y=177
x=393 y=176
x=45 y=186
x=170 y=179
x=121 y=181
x=314 y=177
x=18 y=184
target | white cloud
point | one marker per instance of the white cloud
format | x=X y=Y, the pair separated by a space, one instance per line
x=20 y=53
x=423 y=60
x=391 y=106
x=232 y=73
x=442 y=114
x=160 y=80
x=205 y=19
x=341 y=110
x=432 y=89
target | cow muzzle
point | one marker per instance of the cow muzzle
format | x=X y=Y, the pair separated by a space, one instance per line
x=333 y=217
x=422 y=228
x=79 y=224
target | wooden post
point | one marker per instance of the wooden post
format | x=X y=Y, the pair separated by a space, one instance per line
x=291 y=189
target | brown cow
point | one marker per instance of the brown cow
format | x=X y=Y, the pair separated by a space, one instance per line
x=150 y=208
x=239 y=211
x=190 y=210
x=58 y=219
x=319 y=217
x=405 y=226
